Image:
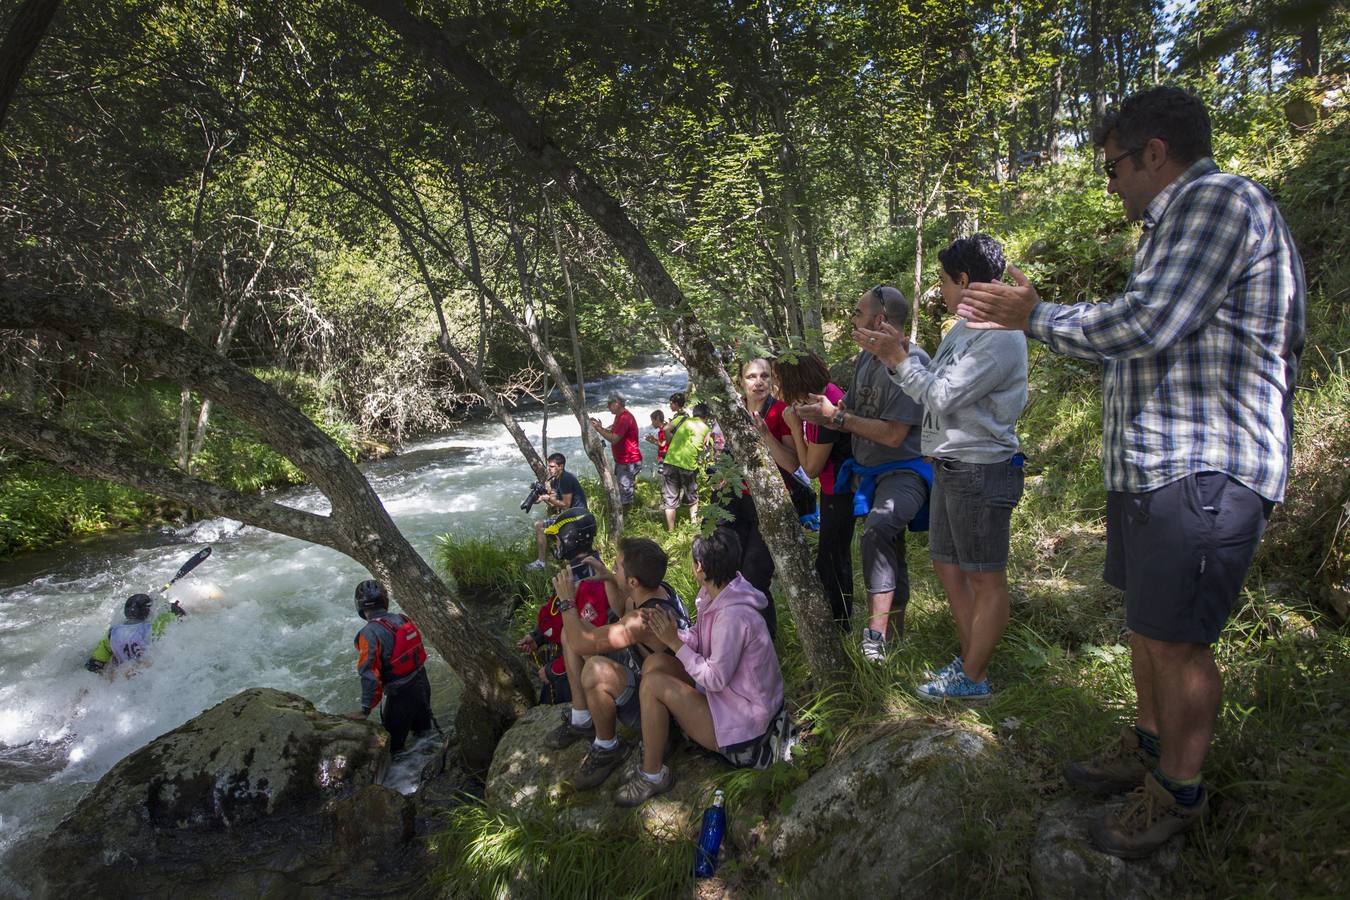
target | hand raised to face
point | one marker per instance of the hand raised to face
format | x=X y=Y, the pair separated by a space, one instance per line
x=994 y=305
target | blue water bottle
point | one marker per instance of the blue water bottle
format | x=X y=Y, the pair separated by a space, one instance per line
x=710 y=840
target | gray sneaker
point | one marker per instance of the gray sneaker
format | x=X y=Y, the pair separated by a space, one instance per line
x=567 y=734
x=535 y=565
x=637 y=790
x=597 y=765
x=873 y=646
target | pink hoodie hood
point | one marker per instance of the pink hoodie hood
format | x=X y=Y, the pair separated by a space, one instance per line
x=728 y=653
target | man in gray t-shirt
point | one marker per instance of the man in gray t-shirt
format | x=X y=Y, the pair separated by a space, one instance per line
x=885 y=425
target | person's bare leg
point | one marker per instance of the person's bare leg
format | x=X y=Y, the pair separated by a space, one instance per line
x=693 y=513
x=670 y=519
x=960 y=597
x=604 y=680
x=1146 y=715
x=1187 y=694
x=540 y=539
x=881 y=611
x=574 y=663
x=665 y=695
x=989 y=621
x=656 y=726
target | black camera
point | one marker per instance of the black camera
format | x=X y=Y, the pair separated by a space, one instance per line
x=537 y=490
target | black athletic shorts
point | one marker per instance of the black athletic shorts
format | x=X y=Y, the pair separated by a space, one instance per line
x=1180 y=554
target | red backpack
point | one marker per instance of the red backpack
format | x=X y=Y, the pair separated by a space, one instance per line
x=408 y=655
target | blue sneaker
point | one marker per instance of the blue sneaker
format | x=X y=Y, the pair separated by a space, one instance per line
x=956 y=665
x=957 y=687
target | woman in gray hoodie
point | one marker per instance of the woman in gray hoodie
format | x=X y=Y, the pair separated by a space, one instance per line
x=972 y=392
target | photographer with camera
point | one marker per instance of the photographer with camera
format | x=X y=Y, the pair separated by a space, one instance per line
x=562 y=491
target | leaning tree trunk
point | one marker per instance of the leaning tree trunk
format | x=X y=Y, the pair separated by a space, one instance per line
x=781 y=529
x=359 y=526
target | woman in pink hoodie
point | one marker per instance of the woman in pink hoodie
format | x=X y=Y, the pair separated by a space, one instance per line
x=722 y=685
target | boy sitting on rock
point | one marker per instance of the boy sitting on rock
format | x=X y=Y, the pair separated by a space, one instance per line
x=604 y=664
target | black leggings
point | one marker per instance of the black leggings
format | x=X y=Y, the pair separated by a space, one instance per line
x=834 y=554
x=407 y=708
x=756 y=563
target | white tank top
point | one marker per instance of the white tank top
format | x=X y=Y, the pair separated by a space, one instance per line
x=129 y=640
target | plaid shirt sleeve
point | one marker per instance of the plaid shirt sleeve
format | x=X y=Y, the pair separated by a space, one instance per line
x=1182 y=274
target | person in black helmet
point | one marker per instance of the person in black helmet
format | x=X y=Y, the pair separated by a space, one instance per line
x=128 y=641
x=392 y=663
x=573 y=537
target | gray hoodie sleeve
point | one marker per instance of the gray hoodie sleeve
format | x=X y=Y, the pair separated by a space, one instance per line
x=984 y=367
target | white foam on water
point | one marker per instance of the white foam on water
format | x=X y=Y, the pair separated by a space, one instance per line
x=263 y=611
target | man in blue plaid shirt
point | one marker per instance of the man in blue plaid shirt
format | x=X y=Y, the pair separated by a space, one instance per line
x=1199 y=357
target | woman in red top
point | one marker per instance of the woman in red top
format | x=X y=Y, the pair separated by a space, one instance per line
x=822 y=451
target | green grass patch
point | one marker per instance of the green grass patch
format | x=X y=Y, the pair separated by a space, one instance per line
x=488 y=566
x=489 y=853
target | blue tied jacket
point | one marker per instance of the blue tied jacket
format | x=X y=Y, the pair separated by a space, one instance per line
x=867 y=485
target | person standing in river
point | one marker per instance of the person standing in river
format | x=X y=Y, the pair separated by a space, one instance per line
x=622 y=435
x=1199 y=360
x=392 y=664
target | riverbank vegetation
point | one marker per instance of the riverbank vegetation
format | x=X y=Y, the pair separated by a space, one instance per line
x=391 y=214
x=1062 y=674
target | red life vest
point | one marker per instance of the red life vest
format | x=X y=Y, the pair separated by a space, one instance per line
x=408 y=654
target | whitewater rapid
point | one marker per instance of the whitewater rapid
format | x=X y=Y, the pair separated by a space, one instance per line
x=264 y=611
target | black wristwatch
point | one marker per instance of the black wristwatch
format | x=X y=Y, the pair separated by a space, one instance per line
x=837 y=420
x=565 y=605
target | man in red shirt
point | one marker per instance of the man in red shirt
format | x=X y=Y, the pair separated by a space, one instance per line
x=622 y=435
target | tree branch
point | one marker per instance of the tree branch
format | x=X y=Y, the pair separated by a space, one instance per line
x=117 y=461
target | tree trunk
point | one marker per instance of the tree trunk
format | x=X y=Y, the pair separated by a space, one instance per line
x=1310 y=50
x=359 y=526
x=25 y=32
x=473 y=373
x=1096 y=92
x=781 y=529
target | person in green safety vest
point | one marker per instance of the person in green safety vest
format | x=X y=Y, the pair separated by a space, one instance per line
x=686 y=437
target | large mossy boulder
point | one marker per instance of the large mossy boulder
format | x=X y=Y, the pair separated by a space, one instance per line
x=245 y=799
x=881 y=820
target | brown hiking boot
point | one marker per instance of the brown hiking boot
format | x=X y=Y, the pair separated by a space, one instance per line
x=567 y=734
x=637 y=790
x=1120 y=767
x=597 y=765
x=1149 y=817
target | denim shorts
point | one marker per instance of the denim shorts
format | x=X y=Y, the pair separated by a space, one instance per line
x=1180 y=553
x=970 y=514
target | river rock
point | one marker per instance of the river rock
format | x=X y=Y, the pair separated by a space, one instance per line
x=878 y=822
x=228 y=803
x=1065 y=864
x=529 y=777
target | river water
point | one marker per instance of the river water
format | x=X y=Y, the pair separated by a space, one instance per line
x=264 y=611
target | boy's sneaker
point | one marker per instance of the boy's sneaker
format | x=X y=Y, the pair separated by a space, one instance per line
x=597 y=765
x=567 y=734
x=956 y=665
x=535 y=565
x=1149 y=817
x=637 y=790
x=1120 y=767
x=957 y=687
x=873 y=646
